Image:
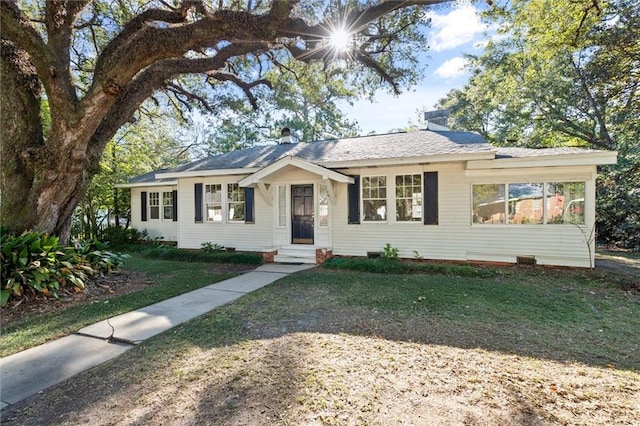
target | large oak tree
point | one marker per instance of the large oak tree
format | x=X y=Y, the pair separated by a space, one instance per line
x=73 y=72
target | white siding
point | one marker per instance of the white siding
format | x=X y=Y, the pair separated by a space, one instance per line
x=455 y=238
x=165 y=228
x=256 y=236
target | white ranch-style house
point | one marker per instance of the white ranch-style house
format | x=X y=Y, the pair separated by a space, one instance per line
x=434 y=194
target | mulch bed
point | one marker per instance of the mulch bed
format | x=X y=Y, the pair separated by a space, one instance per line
x=99 y=288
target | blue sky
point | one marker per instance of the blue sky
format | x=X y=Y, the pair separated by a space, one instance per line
x=455 y=30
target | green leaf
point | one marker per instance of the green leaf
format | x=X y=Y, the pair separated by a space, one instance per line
x=4 y=296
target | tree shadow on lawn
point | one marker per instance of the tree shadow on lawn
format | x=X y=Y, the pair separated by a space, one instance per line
x=250 y=362
x=582 y=323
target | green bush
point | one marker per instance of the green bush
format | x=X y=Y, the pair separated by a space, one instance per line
x=116 y=236
x=172 y=253
x=35 y=262
x=393 y=266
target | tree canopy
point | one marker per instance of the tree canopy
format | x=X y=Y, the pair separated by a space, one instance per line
x=96 y=62
x=564 y=73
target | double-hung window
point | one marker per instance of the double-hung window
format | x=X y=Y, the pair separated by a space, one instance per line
x=235 y=202
x=167 y=205
x=409 y=198
x=154 y=205
x=374 y=198
x=213 y=201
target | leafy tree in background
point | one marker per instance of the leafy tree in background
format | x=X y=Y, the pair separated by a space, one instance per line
x=137 y=148
x=565 y=73
x=96 y=62
x=304 y=98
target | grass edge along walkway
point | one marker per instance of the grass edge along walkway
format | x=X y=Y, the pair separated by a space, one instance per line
x=170 y=278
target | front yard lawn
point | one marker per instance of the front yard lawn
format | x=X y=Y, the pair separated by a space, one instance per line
x=521 y=346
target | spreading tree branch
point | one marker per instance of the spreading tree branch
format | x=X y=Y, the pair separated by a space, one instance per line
x=245 y=86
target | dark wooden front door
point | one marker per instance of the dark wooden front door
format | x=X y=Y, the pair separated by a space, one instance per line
x=302 y=214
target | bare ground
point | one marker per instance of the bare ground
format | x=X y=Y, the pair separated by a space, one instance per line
x=339 y=367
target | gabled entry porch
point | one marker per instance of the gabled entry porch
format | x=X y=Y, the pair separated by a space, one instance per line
x=302 y=196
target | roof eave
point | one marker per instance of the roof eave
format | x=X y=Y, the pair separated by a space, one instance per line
x=212 y=172
x=140 y=184
x=441 y=158
x=598 y=158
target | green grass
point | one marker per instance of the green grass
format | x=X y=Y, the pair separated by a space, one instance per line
x=553 y=314
x=172 y=278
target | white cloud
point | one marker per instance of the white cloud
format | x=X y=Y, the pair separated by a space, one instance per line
x=452 y=68
x=461 y=25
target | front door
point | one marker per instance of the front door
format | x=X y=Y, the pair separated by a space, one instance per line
x=302 y=214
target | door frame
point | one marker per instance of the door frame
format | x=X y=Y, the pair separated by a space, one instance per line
x=303 y=241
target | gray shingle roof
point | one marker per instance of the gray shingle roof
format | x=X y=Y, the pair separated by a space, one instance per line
x=148 y=177
x=513 y=152
x=420 y=143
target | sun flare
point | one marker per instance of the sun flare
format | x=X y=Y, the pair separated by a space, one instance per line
x=340 y=40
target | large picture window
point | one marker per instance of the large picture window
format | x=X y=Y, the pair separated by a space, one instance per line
x=525 y=203
x=154 y=205
x=213 y=202
x=488 y=204
x=235 y=202
x=409 y=198
x=565 y=203
x=374 y=198
x=529 y=203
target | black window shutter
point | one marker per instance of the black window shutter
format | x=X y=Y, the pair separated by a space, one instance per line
x=248 y=205
x=197 y=196
x=431 y=198
x=354 y=200
x=174 y=201
x=143 y=209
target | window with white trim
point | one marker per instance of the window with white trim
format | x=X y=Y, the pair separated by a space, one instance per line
x=213 y=202
x=235 y=202
x=565 y=202
x=522 y=203
x=282 y=205
x=525 y=205
x=323 y=205
x=167 y=205
x=374 y=198
x=409 y=198
x=154 y=205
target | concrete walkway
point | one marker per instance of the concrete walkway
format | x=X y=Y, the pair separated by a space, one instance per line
x=31 y=371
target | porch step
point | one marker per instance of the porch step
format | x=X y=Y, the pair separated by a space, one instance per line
x=296 y=254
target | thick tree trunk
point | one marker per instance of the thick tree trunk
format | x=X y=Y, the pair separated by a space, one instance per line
x=41 y=183
x=20 y=136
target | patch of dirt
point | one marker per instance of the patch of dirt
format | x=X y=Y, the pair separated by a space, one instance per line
x=98 y=288
x=317 y=378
